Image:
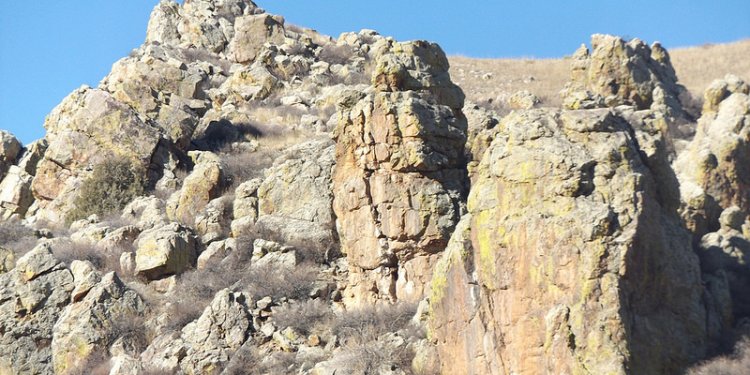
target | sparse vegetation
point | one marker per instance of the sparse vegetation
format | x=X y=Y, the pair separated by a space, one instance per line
x=738 y=363
x=17 y=237
x=112 y=184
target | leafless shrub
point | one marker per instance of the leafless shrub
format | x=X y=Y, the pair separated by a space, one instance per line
x=245 y=165
x=248 y=360
x=17 y=237
x=337 y=54
x=736 y=364
x=368 y=323
x=373 y=357
x=104 y=260
x=305 y=317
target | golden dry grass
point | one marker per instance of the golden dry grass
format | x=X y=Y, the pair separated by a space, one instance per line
x=496 y=79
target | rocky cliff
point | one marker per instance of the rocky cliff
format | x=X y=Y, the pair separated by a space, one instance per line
x=245 y=196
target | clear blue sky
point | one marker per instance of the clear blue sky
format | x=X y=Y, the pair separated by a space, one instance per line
x=48 y=48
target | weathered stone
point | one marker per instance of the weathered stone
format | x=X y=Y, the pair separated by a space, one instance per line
x=87 y=328
x=32 y=155
x=216 y=252
x=246 y=199
x=146 y=212
x=10 y=150
x=399 y=174
x=617 y=72
x=523 y=100
x=296 y=194
x=567 y=262
x=212 y=224
x=721 y=89
x=87 y=128
x=85 y=277
x=7 y=260
x=32 y=297
x=714 y=169
x=251 y=33
x=164 y=251
x=202 y=185
x=222 y=329
x=15 y=193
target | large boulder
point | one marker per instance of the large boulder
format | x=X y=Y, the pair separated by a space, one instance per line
x=32 y=297
x=205 y=345
x=87 y=128
x=166 y=250
x=15 y=193
x=87 y=328
x=616 y=72
x=201 y=186
x=10 y=150
x=399 y=175
x=567 y=261
x=251 y=32
x=296 y=194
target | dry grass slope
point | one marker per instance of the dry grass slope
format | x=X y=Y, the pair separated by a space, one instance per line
x=492 y=81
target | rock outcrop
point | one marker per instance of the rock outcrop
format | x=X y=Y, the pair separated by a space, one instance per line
x=32 y=298
x=567 y=262
x=616 y=72
x=399 y=176
x=164 y=251
x=714 y=169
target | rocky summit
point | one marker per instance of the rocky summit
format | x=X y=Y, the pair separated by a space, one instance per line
x=241 y=195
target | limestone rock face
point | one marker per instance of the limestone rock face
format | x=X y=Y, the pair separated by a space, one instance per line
x=164 y=251
x=251 y=32
x=399 y=173
x=567 y=262
x=295 y=197
x=15 y=193
x=88 y=127
x=86 y=329
x=617 y=72
x=32 y=297
x=714 y=170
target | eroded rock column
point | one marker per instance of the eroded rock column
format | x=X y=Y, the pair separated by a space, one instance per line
x=399 y=174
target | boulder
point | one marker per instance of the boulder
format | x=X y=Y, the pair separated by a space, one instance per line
x=295 y=198
x=246 y=200
x=616 y=72
x=721 y=89
x=86 y=329
x=399 y=175
x=10 y=150
x=714 y=169
x=251 y=33
x=146 y=212
x=567 y=262
x=15 y=193
x=166 y=250
x=212 y=224
x=523 y=100
x=87 y=128
x=201 y=186
x=32 y=297
x=32 y=155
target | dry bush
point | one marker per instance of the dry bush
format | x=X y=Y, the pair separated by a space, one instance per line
x=307 y=317
x=112 y=185
x=337 y=54
x=17 y=237
x=367 y=324
x=104 y=260
x=196 y=289
x=361 y=333
x=249 y=361
x=244 y=166
x=736 y=364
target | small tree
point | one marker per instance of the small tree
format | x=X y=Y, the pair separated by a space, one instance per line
x=112 y=185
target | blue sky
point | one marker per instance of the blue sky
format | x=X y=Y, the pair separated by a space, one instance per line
x=48 y=48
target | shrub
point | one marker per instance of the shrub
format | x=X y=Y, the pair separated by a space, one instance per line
x=17 y=237
x=305 y=317
x=736 y=364
x=112 y=185
x=336 y=54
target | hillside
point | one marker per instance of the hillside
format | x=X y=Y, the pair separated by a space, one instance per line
x=498 y=79
x=244 y=196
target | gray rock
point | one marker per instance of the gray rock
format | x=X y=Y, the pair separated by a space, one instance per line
x=164 y=251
